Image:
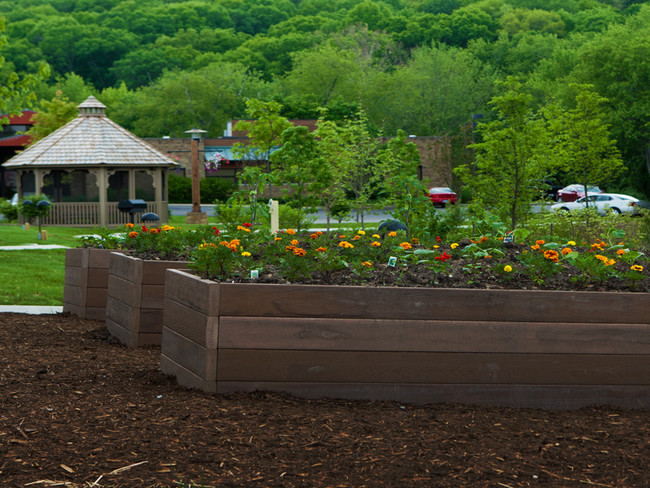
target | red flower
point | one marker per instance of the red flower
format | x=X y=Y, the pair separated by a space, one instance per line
x=216 y=231
x=247 y=225
x=144 y=228
x=438 y=239
x=443 y=257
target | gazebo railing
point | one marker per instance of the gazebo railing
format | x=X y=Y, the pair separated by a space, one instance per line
x=86 y=214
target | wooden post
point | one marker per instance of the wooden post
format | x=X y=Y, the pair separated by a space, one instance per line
x=274 y=212
x=196 y=216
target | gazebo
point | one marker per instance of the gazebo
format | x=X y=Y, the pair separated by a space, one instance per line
x=88 y=166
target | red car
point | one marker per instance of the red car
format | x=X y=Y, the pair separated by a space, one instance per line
x=572 y=192
x=441 y=196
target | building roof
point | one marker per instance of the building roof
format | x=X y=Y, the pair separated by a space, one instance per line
x=90 y=140
x=24 y=118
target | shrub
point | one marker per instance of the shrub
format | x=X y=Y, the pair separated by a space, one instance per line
x=9 y=211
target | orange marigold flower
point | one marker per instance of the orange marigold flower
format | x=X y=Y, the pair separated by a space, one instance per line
x=566 y=250
x=535 y=247
x=129 y=225
x=167 y=227
x=277 y=239
x=405 y=246
x=620 y=252
x=552 y=255
x=295 y=242
x=235 y=242
x=375 y=244
x=133 y=234
x=289 y=248
x=367 y=264
x=346 y=244
x=299 y=251
x=602 y=258
x=541 y=242
x=483 y=239
x=611 y=262
x=291 y=232
x=321 y=249
x=356 y=238
x=314 y=235
x=392 y=234
x=415 y=240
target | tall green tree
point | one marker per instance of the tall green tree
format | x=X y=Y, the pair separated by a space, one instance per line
x=16 y=92
x=52 y=115
x=586 y=150
x=512 y=156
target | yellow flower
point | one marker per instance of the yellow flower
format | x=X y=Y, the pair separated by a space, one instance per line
x=454 y=245
x=361 y=232
x=245 y=229
x=602 y=258
x=507 y=268
x=611 y=262
x=245 y=254
x=392 y=234
x=571 y=243
x=637 y=267
x=278 y=239
x=405 y=246
x=375 y=236
x=167 y=227
x=436 y=246
x=367 y=264
x=566 y=250
x=375 y=244
x=345 y=244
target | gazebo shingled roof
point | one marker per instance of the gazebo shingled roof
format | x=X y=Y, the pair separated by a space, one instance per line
x=91 y=139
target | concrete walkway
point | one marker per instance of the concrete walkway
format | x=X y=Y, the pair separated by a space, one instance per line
x=37 y=247
x=30 y=309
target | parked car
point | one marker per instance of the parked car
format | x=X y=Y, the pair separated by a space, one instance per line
x=547 y=190
x=572 y=192
x=441 y=196
x=604 y=202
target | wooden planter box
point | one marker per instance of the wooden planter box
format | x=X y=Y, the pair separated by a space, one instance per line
x=135 y=298
x=86 y=282
x=542 y=349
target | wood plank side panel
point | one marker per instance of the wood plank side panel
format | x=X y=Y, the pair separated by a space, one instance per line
x=191 y=324
x=126 y=267
x=520 y=396
x=431 y=335
x=424 y=303
x=197 y=294
x=153 y=272
x=197 y=359
x=419 y=367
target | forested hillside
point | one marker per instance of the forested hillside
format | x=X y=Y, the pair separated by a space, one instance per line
x=424 y=66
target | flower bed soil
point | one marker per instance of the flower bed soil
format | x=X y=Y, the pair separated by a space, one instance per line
x=79 y=409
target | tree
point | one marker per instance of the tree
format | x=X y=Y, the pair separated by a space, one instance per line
x=16 y=92
x=586 y=150
x=264 y=133
x=511 y=157
x=52 y=115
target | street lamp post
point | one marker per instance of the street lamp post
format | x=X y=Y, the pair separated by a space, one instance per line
x=195 y=216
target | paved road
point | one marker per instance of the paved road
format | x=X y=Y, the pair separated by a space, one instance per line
x=182 y=209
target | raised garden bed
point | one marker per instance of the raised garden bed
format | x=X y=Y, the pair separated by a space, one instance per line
x=86 y=282
x=546 y=349
x=135 y=298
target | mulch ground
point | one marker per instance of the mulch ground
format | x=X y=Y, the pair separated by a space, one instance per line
x=79 y=410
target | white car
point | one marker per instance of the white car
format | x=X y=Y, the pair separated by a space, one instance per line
x=604 y=202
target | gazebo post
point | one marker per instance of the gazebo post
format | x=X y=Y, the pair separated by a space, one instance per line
x=102 y=183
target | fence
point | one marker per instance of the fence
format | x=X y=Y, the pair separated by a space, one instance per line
x=86 y=214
